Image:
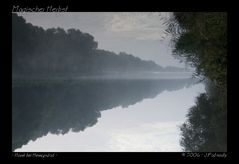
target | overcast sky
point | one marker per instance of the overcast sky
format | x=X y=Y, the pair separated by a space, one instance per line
x=141 y=34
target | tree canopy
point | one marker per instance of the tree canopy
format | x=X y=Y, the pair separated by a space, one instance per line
x=56 y=52
x=200 y=38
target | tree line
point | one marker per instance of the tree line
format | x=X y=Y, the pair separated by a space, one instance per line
x=56 y=52
x=200 y=39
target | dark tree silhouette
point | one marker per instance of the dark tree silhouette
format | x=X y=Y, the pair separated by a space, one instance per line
x=41 y=108
x=205 y=128
x=201 y=40
x=56 y=52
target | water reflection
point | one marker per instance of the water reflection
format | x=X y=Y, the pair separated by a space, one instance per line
x=40 y=108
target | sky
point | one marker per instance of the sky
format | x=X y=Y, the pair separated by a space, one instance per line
x=151 y=125
x=141 y=34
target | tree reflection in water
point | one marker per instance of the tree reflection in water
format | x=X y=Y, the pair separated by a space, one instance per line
x=40 y=108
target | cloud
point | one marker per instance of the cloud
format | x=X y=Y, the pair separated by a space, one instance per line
x=155 y=137
x=139 y=25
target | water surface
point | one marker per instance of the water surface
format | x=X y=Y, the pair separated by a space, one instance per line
x=101 y=115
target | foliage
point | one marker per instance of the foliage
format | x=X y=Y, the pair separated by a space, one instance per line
x=205 y=128
x=54 y=51
x=201 y=40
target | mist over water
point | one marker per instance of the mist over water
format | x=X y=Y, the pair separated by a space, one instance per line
x=69 y=95
x=57 y=108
